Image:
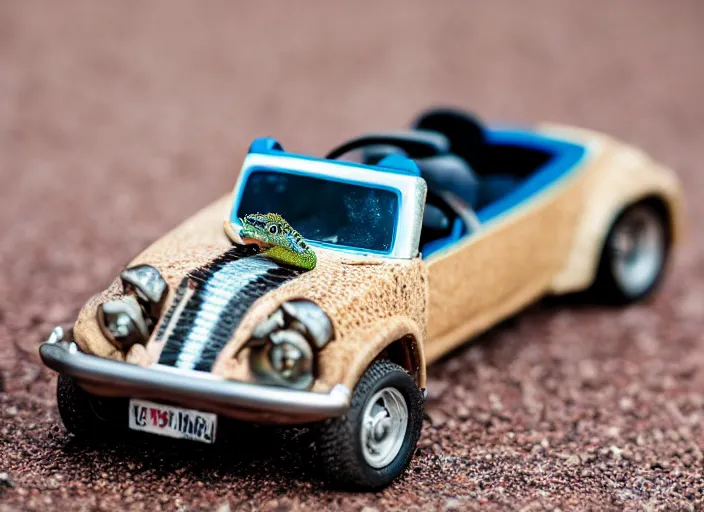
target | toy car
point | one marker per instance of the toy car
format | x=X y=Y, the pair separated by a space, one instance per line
x=335 y=281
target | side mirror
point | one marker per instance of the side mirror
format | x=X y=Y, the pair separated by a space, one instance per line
x=265 y=145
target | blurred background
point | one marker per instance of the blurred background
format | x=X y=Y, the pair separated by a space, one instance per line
x=120 y=119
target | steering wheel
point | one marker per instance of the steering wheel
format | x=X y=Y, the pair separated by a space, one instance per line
x=415 y=144
x=438 y=218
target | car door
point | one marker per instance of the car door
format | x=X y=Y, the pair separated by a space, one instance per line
x=502 y=266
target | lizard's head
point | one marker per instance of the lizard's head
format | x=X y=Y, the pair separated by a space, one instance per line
x=279 y=241
x=269 y=229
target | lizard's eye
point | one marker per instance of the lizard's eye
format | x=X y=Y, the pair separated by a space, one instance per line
x=273 y=229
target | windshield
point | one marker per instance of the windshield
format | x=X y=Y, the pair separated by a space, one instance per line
x=323 y=210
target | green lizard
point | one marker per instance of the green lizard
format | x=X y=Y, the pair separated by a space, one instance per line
x=278 y=240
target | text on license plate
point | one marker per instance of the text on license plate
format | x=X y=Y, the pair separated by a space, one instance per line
x=170 y=421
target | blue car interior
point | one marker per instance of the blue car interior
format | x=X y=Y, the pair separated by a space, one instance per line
x=490 y=170
x=457 y=231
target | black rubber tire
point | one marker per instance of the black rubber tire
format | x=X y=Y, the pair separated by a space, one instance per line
x=339 y=439
x=85 y=415
x=606 y=288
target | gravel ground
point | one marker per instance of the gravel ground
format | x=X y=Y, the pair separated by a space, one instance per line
x=117 y=120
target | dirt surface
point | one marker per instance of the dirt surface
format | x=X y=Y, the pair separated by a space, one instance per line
x=118 y=120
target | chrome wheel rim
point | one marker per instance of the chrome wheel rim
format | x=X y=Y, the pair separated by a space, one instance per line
x=638 y=246
x=384 y=425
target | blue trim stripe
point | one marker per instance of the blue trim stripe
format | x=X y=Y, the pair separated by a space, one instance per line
x=458 y=230
x=566 y=156
x=404 y=168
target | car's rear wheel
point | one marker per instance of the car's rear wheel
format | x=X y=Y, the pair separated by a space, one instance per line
x=372 y=444
x=86 y=415
x=634 y=256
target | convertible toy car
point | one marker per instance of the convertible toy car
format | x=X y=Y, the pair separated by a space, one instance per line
x=335 y=281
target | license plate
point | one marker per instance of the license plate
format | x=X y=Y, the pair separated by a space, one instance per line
x=169 y=421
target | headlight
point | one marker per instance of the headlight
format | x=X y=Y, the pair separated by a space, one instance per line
x=281 y=350
x=286 y=359
x=150 y=288
x=122 y=322
x=131 y=318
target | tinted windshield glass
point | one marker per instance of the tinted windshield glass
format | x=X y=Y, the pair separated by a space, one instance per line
x=325 y=211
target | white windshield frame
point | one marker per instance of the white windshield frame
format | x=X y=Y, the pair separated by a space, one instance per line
x=411 y=189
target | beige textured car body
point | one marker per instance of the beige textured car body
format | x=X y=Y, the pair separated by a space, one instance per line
x=372 y=302
x=550 y=244
x=415 y=311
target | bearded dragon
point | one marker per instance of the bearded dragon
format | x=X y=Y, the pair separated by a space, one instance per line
x=278 y=240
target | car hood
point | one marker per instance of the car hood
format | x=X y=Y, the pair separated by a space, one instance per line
x=219 y=291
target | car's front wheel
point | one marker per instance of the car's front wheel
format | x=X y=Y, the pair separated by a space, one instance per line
x=634 y=255
x=372 y=444
x=85 y=415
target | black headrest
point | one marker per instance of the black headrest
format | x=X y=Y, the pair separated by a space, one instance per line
x=462 y=129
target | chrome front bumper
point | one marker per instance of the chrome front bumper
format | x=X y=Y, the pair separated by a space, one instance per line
x=236 y=399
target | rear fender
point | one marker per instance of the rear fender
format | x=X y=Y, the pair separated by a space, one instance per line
x=621 y=176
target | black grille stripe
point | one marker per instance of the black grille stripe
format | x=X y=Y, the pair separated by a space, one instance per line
x=222 y=292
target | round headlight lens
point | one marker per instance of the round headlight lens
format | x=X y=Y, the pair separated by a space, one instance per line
x=122 y=322
x=282 y=347
x=286 y=358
